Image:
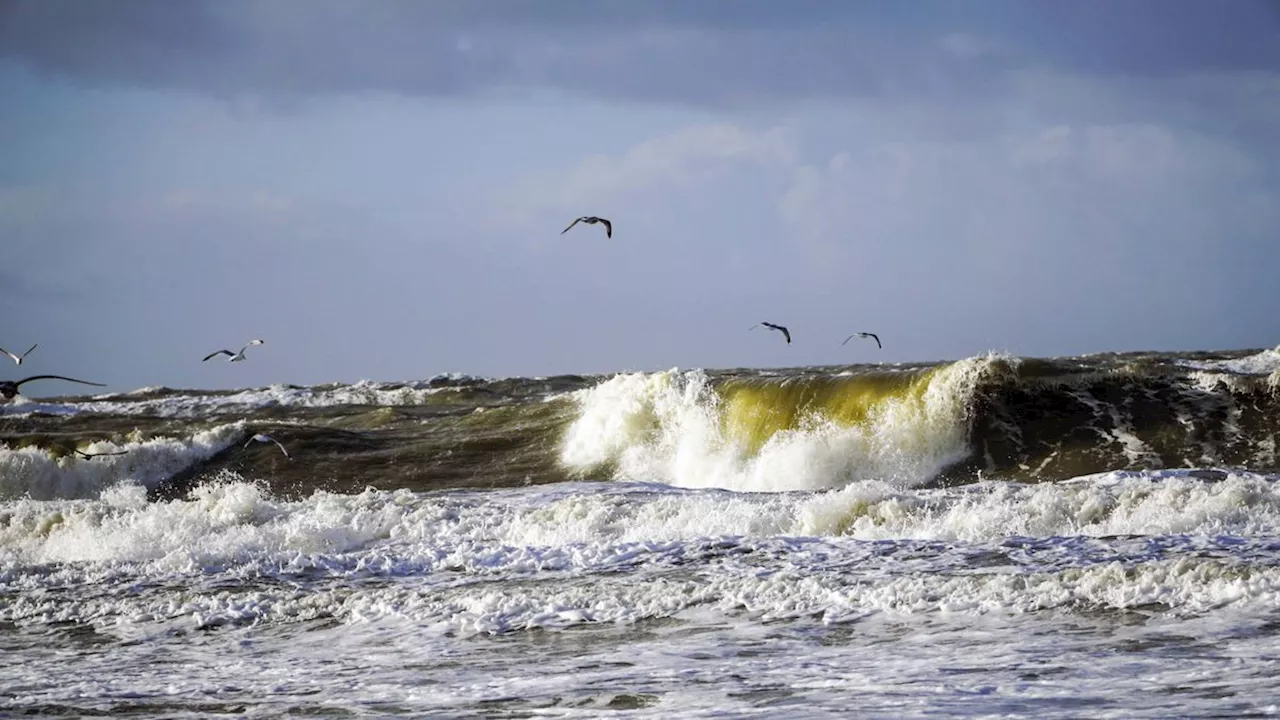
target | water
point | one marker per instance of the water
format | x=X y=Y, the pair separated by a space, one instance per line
x=996 y=536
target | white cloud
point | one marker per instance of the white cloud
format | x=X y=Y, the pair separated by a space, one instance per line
x=696 y=161
x=691 y=157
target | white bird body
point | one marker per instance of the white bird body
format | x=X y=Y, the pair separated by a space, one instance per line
x=90 y=455
x=234 y=356
x=19 y=358
x=264 y=438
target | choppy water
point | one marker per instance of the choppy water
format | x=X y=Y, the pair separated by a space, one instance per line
x=1095 y=536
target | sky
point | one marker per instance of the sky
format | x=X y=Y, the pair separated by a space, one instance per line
x=377 y=188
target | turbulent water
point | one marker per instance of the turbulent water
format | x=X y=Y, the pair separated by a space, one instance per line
x=1089 y=536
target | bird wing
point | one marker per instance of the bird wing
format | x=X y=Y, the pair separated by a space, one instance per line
x=277 y=442
x=56 y=377
x=846 y=340
x=28 y=352
x=16 y=359
x=120 y=452
x=575 y=222
x=248 y=345
x=876 y=338
x=216 y=353
x=786 y=333
x=608 y=228
x=250 y=440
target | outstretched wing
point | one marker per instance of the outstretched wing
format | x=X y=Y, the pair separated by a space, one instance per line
x=56 y=377
x=89 y=455
x=28 y=352
x=575 y=222
x=216 y=353
x=846 y=340
x=785 y=333
x=875 y=337
x=608 y=228
x=16 y=359
x=277 y=442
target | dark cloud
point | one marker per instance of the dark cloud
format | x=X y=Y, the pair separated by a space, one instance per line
x=1151 y=37
x=704 y=52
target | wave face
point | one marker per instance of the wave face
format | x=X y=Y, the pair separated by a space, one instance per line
x=991 y=417
x=771 y=433
x=998 y=417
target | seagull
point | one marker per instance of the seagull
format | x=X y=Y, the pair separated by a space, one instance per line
x=9 y=388
x=18 y=358
x=592 y=220
x=873 y=336
x=785 y=332
x=263 y=438
x=89 y=455
x=236 y=356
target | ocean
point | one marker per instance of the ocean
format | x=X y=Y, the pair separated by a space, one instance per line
x=995 y=536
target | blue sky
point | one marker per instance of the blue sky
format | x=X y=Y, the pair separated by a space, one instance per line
x=378 y=188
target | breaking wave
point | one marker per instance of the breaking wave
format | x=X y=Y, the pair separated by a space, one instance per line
x=995 y=416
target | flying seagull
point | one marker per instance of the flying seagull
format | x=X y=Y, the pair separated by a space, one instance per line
x=785 y=332
x=263 y=438
x=89 y=455
x=18 y=358
x=592 y=220
x=235 y=356
x=873 y=336
x=9 y=388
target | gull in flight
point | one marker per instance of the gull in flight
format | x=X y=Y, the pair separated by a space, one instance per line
x=592 y=220
x=9 y=388
x=785 y=332
x=235 y=356
x=873 y=336
x=18 y=358
x=264 y=438
x=89 y=455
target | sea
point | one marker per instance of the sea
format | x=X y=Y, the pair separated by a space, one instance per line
x=993 y=536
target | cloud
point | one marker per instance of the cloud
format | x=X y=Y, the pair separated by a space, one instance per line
x=1080 y=186
x=715 y=52
x=679 y=162
x=1011 y=225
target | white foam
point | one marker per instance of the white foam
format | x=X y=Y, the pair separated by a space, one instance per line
x=965 y=598
x=1263 y=363
x=667 y=427
x=32 y=472
x=585 y=526
x=381 y=579
x=195 y=404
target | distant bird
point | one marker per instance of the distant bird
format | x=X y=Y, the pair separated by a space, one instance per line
x=785 y=332
x=592 y=220
x=89 y=455
x=873 y=336
x=235 y=356
x=9 y=388
x=263 y=438
x=18 y=358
